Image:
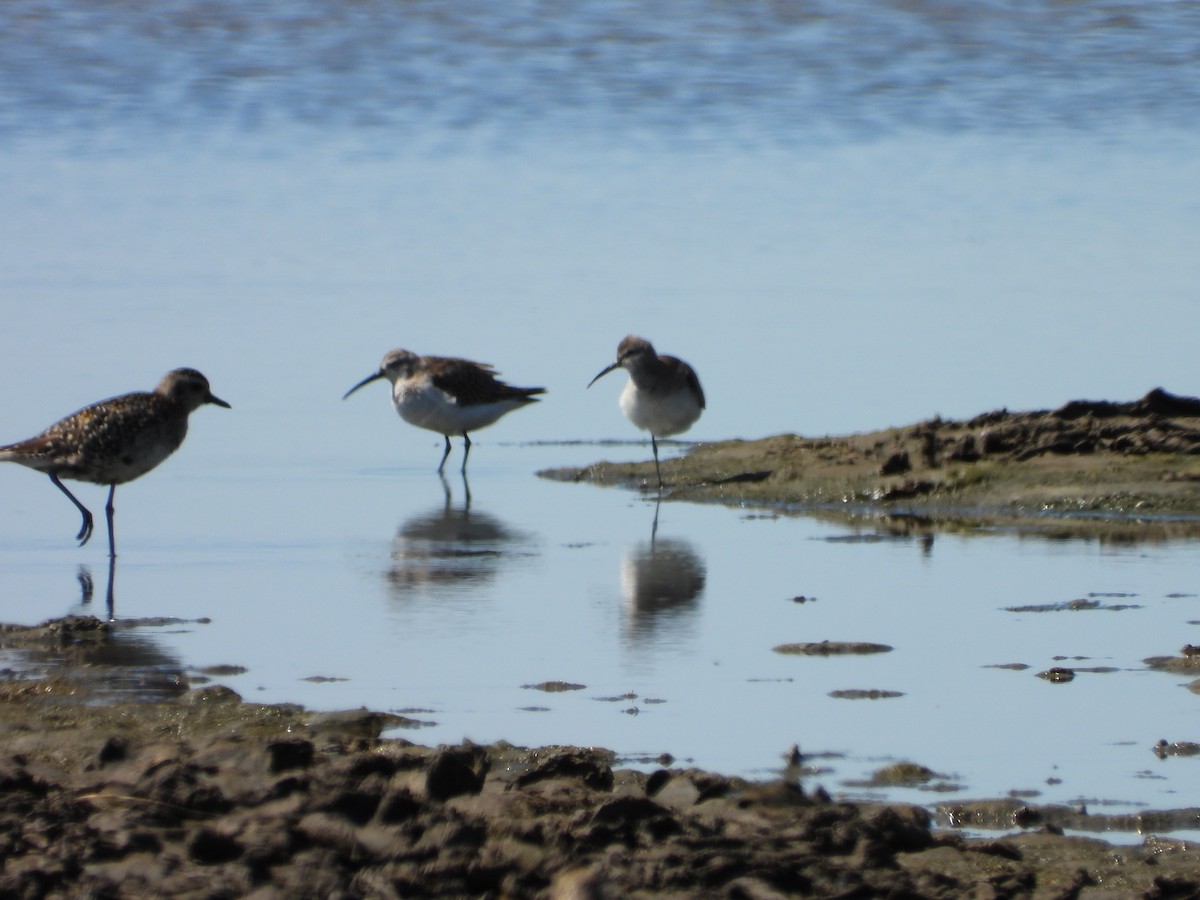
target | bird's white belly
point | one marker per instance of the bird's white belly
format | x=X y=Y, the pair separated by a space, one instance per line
x=427 y=406
x=662 y=415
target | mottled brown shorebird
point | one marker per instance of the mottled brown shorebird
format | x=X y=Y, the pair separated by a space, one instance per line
x=115 y=441
x=447 y=395
x=663 y=395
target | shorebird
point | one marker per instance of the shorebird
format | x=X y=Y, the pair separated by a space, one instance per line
x=446 y=395
x=116 y=440
x=663 y=395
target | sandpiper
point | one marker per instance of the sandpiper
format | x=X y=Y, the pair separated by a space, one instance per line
x=446 y=395
x=115 y=441
x=663 y=395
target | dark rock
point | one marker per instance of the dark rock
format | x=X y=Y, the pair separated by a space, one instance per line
x=210 y=847
x=180 y=789
x=594 y=773
x=657 y=781
x=1165 y=888
x=896 y=464
x=1002 y=439
x=908 y=490
x=629 y=821
x=1156 y=402
x=398 y=806
x=744 y=477
x=457 y=770
x=964 y=450
x=357 y=806
x=114 y=750
x=930 y=447
x=900 y=829
x=290 y=754
x=1026 y=817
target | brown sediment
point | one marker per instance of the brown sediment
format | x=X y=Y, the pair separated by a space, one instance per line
x=202 y=794
x=1088 y=465
x=832 y=648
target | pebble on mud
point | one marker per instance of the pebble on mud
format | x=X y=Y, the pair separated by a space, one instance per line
x=832 y=648
x=902 y=773
x=554 y=687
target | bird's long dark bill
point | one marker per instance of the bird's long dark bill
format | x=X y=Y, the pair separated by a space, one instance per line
x=217 y=401
x=366 y=380
x=615 y=365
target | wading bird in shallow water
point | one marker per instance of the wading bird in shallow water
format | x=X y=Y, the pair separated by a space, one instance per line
x=663 y=395
x=115 y=441
x=449 y=396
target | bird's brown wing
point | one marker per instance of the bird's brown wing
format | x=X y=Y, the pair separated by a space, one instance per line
x=91 y=434
x=474 y=383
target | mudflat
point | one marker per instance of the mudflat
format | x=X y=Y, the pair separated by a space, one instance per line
x=1086 y=465
x=200 y=794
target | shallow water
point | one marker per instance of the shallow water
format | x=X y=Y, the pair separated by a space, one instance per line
x=376 y=588
x=844 y=219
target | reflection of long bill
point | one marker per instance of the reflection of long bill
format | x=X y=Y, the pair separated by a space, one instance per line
x=450 y=546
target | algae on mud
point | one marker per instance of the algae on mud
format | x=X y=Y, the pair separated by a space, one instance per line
x=1088 y=465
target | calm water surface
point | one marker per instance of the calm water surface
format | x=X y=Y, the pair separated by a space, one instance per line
x=844 y=216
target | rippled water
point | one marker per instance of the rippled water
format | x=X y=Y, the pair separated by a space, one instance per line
x=844 y=215
x=691 y=69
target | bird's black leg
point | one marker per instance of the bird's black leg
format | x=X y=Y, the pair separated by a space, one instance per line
x=108 y=513
x=466 y=450
x=85 y=530
x=445 y=454
x=657 y=470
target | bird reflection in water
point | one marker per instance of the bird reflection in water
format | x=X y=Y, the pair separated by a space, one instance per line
x=662 y=580
x=452 y=546
x=87 y=588
x=121 y=661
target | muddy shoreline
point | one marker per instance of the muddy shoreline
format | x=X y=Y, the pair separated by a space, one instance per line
x=199 y=793
x=1118 y=469
x=191 y=791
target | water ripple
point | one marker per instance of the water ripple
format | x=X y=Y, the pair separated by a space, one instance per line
x=687 y=69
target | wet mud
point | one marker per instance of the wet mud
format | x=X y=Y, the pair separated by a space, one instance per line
x=200 y=794
x=190 y=791
x=832 y=648
x=1111 y=467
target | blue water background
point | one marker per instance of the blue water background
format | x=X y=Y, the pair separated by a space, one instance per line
x=845 y=216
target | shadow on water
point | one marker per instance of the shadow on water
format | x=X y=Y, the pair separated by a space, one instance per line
x=662 y=581
x=452 y=545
